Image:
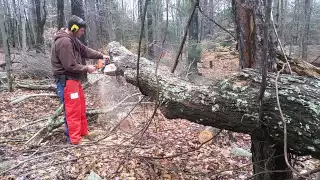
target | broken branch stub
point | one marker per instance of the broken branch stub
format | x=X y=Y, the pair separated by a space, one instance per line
x=232 y=103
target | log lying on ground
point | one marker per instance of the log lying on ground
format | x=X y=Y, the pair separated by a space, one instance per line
x=299 y=66
x=232 y=103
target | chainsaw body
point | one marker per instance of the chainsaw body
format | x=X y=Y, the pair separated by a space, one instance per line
x=108 y=69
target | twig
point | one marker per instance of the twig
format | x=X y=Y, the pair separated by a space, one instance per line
x=140 y=39
x=130 y=151
x=284 y=126
x=194 y=59
x=282 y=50
x=36 y=87
x=210 y=19
x=23 y=126
x=35 y=135
x=196 y=4
x=179 y=154
x=309 y=173
x=263 y=172
x=30 y=159
x=117 y=125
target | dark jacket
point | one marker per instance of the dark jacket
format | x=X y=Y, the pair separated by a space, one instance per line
x=67 y=53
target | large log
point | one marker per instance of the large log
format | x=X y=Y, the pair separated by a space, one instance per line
x=232 y=103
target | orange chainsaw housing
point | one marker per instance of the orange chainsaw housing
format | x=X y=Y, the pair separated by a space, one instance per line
x=99 y=65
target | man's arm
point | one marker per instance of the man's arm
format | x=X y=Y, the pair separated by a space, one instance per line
x=64 y=50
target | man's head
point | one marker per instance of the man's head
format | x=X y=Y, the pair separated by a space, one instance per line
x=77 y=26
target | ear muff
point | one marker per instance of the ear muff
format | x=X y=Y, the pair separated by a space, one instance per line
x=74 y=28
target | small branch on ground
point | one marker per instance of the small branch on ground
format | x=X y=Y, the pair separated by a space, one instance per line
x=34 y=158
x=36 y=87
x=24 y=97
x=24 y=126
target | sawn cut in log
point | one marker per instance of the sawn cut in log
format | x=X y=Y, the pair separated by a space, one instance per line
x=232 y=103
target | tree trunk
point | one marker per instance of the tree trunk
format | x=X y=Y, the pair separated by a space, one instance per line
x=232 y=103
x=263 y=147
x=306 y=24
x=40 y=22
x=149 y=28
x=60 y=9
x=211 y=15
x=193 y=50
x=91 y=24
x=15 y=21
x=5 y=46
x=9 y=24
x=23 y=28
x=249 y=28
x=282 y=22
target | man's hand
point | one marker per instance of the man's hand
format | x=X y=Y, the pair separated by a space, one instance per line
x=107 y=59
x=91 y=68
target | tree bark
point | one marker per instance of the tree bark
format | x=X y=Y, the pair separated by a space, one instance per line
x=149 y=28
x=60 y=9
x=40 y=22
x=23 y=28
x=232 y=104
x=6 y=47
x=306 y=24
x=91 y=24
x=249 y=27
x=193 y=50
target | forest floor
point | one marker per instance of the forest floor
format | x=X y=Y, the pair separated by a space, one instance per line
x=169 y=149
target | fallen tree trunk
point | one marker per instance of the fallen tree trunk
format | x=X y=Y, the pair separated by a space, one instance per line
x=299 y=66
x=232 y=103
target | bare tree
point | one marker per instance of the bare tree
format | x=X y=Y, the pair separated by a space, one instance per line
x=5 y=46
x=40 y=22
x=23 y=27
x=193 y=50
x=306 y=24
x=60 y=13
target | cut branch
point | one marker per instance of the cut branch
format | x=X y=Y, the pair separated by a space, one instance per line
x=232 y=103
x=36 y=87
x=22 y=98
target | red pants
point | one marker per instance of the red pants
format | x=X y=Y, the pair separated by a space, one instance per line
x=75 y=108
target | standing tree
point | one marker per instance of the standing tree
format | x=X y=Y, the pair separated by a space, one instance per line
x=60 y=13
x=5 y=46
x=193 y=50
x=305 y=32
x=256 y=52
x=40 y=22
x=23 y=27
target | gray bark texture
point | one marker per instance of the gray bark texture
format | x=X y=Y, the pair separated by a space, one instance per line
x=232 y=103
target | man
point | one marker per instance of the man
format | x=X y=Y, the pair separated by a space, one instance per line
x=67 y=53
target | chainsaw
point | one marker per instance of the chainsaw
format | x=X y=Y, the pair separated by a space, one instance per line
x=108 y=68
